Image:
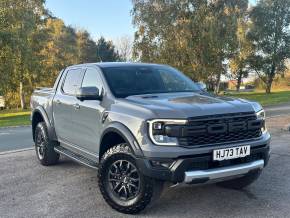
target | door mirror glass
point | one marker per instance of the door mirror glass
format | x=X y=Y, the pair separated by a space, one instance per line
x=201 y=85
x=88 y=93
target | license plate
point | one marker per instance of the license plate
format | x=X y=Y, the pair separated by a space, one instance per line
x=231 y=153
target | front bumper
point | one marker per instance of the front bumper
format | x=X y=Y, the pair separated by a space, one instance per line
x=200 y=168
x=223 y=172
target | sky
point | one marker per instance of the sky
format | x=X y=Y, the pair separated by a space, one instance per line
x=108 y=18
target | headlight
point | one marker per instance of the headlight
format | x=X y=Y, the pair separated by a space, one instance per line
x=261 y=114
x=157 y=131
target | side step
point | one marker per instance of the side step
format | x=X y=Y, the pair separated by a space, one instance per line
x=76 y=157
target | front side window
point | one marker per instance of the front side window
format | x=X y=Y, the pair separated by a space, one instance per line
x=91 y=79
x=138 y=80
x=72 y=81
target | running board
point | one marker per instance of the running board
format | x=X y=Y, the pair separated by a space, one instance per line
x=76 y=157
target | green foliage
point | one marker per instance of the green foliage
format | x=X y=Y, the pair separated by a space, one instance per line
x=270 y=36
x=238 y=63
x=20 y=20
x=35 y=46
x=106 y=51
x=203 y=38
x=206 y=38
x=195 y=36
x=86 y=47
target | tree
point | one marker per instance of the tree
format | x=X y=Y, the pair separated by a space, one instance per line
x=106 y=51
x=35 y=46
x=195 y=36
x=124 y=46
x=59 y=49
x=169 y=32
x=239 y=61
x=225 y=14
x=20 y=21
x=87 y=48
x=270 y=36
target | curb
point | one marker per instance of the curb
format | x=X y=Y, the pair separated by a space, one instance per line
x=16 y=151
x=7 y=127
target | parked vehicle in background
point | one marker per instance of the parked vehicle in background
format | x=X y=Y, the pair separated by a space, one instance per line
x=141 y=125
x=2 y=103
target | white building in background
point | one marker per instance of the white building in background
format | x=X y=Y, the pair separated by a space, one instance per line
x=2 y=103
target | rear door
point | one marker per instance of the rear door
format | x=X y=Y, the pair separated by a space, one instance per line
x=63 y=103
x=87 y=116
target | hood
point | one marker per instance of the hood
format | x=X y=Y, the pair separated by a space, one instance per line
x=184 y=105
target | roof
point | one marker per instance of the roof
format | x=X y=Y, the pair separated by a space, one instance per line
x=117 y=64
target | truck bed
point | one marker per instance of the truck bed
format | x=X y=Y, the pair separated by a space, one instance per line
x=43 y=97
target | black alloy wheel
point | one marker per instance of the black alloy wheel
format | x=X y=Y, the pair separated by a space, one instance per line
x=123 y=180
x=122 y=183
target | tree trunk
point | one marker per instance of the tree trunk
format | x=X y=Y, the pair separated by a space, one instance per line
x=22 y=96
x=283 y=75
x=269 y=85
x=270 y=79
x=239 y=82
x=218 y=82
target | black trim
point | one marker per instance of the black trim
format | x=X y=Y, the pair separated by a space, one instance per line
x=126 y=134
x=196 y=162
x=50 y=128
x=55 y=86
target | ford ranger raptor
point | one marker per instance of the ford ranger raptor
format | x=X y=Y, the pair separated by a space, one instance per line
x=141 y=126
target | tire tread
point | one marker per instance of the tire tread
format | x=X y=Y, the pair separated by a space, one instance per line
x=50 y=157
x=149 y=183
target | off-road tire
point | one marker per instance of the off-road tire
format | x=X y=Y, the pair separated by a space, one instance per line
x=48 y=156
x=149 y=191
x=242 y=182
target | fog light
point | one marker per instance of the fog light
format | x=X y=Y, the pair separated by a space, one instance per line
x=166 y=164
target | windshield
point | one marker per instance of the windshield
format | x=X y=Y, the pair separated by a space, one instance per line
x=138 y=80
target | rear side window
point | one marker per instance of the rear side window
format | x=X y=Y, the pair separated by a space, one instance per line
x=72 y=81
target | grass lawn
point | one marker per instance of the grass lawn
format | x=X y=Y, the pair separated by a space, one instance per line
x=277 y=97
x=14 y=118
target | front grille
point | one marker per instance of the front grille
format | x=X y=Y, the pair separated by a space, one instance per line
x=217 y=129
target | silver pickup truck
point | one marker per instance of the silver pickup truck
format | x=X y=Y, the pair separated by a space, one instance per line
x=141 y=125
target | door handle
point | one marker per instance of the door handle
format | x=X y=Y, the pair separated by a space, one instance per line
x=77 y=106
x=58 y=101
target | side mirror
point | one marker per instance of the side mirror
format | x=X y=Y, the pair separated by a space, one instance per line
x=88 y=93
x=202 y=86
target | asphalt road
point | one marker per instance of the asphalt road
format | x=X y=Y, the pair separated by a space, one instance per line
x=28 y=189
x=278 y=110
x=15 y=138
x=20 y=137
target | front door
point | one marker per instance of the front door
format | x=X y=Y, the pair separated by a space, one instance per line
x=87 y=116
x=63 y=103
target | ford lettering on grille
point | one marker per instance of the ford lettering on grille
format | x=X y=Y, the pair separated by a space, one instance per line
x=222 y=129
x=234 y=126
